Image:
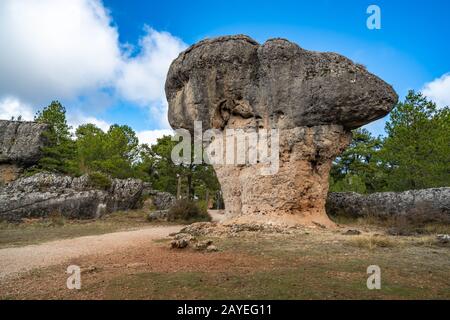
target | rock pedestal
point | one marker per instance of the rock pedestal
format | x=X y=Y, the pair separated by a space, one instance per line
x=296 y=193
x=44 y=193
x=312 y=99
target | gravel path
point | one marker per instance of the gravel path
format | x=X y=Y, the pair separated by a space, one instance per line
x=17 y=260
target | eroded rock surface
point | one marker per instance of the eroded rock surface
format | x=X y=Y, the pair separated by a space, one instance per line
x=433 y=201
x=161 y=200
x=20 y=147
x=296 y=194
x=21 y=142
x=43 y=194
x=277 y=83
x=314 y=99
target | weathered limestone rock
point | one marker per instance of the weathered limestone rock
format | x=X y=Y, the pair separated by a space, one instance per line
x=432 y=201
x=158 y=215
x=277 y=82
x=43 y=194
x=296 y=193
x=21 y=142
x=313 y=99
x=20 y=147
x=162 y=200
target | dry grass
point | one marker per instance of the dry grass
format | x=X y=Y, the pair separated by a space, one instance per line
x=318 y=264
x=426 y=241
x=309 y=264
x=372 y=242
x=419 y=223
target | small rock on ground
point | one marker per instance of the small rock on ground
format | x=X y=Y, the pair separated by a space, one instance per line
x=179 y=244
x=202 y=245
x=211 y=248
x=443 y=238
x=352 y=232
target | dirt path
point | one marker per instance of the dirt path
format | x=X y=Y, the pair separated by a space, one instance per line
x=17 y=260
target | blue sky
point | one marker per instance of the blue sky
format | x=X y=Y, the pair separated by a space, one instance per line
x=410 y=51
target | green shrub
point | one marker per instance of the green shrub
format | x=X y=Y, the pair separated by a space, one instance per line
x=99 y=180
x=202 y=205
x=188 y=211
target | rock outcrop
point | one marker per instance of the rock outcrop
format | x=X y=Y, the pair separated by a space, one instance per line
x=20 y=147
x=21 y=142
x=434 y=201
x=161 y=200
x=43 y=194
x=312 y=99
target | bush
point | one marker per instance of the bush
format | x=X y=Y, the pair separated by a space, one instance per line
x=202 y=205
x=99 y=180
x=372 y=242
x=188 y=211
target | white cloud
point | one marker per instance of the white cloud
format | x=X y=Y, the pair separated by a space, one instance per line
x=143 y=75
x=438 y=90
x=76 y=119
x=12 y=107
x=69 y=50
x=150 y=136
x=55 y=49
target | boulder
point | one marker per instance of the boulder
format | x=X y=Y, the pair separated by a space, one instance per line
x=233 y=76
x=311 y=99
x=21 y=142
x=44 y=193
x=162 y=200
x=158 y=215
x=434 y=201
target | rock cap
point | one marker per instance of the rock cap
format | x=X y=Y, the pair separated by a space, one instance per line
x=277 y=83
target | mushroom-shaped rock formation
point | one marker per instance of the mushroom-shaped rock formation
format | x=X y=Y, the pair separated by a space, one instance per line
x=312 y=99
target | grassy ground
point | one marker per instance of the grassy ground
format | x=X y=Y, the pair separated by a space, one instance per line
x=56 y=227
x=296 y=273
x=310 y=264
